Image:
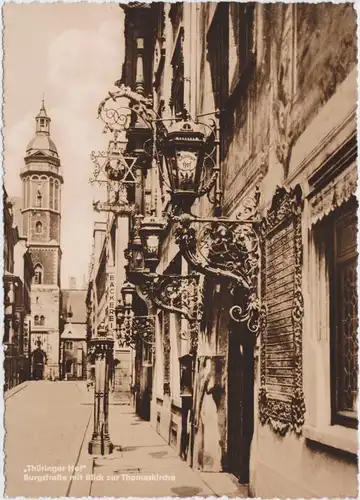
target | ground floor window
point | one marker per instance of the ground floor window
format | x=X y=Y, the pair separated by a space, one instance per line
x=342 y=230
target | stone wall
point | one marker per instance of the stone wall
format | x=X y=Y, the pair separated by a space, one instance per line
x=49 y=260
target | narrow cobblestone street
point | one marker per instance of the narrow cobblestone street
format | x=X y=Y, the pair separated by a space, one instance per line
x=49 y=424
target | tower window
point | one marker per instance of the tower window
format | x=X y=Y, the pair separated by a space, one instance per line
x=42 y=320
x=56 y=196
x=39 y=227
x=37 y=300
x=39 y=199
x=42 y=122
x=36 y=320
x=51 y=201
x=38 y=277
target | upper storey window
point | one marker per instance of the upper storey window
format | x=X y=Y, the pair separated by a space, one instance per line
x=176 y=16
x=242 y=15
x=177 y=60
x=218 y=54
x=177 y=86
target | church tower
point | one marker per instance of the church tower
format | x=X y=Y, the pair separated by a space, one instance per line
x=41 y=216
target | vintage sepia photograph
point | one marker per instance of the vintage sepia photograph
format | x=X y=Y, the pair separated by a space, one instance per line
x=180 y=249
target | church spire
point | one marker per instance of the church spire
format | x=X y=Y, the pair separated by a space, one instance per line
x=42 y=120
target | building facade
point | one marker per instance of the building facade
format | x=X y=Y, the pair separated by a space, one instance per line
x=18 y=273
x=73 y=341
x=42 y=180
x=281 y=80
x=106 y=274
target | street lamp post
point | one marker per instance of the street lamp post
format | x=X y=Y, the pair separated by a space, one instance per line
x=101 y=347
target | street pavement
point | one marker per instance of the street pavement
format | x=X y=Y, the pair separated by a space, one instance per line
x=49 y=424
x=45 y=423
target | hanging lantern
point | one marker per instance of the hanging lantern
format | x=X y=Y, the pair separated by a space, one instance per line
x=102 y=330
x=119 y=312
x=150 y=232
x=128 y=291
x=135 y=251
x=184 y=152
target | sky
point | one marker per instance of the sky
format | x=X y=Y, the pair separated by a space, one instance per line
x=72 y=54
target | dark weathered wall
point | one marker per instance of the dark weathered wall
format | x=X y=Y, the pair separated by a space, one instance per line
x=326 y=51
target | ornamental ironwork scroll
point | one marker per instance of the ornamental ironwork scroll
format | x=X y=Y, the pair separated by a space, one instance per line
x=227 y=249
x=177 y=294
x=281 y=398
x=135 y=329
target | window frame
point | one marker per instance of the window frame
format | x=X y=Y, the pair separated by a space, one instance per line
x=37 y=226
x=338 y=416
x=69 y=345
x=38 y=273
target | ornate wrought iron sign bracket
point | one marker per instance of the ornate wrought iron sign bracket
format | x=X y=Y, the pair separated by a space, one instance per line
x=228 y=249
x=131 y=329
x=177 y=294
x=173 y=293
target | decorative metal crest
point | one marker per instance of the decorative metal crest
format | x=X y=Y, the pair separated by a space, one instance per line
x=115 y=170
x=115 y=167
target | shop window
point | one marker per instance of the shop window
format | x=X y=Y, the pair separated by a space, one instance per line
x=344 y=318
